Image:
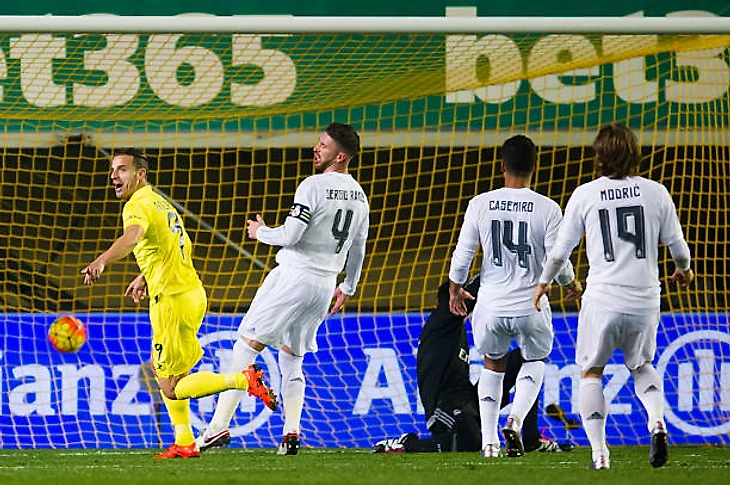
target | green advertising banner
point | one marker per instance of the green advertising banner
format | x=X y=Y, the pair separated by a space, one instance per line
x=394 y=82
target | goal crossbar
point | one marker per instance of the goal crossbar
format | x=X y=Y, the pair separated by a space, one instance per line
x=275 y=24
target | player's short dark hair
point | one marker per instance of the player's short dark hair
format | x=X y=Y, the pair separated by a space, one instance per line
x=617 y=151
x=519 y=155
x=139 y=158
x=345 y=136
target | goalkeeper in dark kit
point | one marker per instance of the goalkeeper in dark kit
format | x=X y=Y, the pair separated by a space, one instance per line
x=449 y=398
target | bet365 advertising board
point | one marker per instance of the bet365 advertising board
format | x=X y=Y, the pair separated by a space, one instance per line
x=40 y=88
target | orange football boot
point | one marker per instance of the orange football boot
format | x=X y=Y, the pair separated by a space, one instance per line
x=258 y=388
x=179 y=451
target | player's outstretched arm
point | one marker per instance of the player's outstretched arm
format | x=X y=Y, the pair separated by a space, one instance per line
x=119 y=250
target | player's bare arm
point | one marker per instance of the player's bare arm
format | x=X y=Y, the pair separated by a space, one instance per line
x=683 y=278
x=574 y=290
x=339 y=300
x=457 y=299
x=561 y=270
x=253 y=226
x=119 y=250
x=540 y=290
x=137 y=289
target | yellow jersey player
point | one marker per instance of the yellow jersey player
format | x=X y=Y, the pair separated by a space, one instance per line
x=154 y=231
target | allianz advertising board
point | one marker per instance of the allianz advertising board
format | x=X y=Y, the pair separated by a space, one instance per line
x=362 y=383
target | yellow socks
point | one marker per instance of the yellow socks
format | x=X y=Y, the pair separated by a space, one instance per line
x=179 y=412
x=203 y=384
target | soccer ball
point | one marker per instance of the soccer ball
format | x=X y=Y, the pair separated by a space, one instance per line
x=67 y=334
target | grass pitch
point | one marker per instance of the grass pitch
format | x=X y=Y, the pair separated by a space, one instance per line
x=701 y=465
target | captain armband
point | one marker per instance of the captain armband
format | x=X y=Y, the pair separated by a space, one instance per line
x=301 y=212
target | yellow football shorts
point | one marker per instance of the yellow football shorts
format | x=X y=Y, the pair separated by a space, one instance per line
x=176 y=320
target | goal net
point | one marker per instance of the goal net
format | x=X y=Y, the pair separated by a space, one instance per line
x=228 y=110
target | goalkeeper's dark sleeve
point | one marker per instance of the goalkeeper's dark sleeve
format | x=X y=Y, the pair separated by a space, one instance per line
x=443 y=356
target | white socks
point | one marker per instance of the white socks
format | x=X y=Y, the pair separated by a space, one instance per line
x=527 y=387
x=292 y=390
x=649 y=388
x=490 y=400
x=593 y=414
x=243 y=356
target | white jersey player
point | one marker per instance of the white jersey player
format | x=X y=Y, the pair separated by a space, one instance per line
x=624 y=218
x=515 y=227
x=324 y=232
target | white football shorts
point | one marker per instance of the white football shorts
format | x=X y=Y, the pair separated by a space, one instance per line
x=288 y=309
x=493 y=334
x=602 y=331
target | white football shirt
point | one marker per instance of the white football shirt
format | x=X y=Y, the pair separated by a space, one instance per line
x=624 y=221
x=516 y=228
x=328 y=221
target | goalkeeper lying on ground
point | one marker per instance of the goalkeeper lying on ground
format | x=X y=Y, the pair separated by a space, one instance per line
x=448 y=397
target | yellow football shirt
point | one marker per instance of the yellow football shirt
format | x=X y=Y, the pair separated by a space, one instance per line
x=164 y=252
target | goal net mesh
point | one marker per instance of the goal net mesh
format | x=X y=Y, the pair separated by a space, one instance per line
x=229 y=122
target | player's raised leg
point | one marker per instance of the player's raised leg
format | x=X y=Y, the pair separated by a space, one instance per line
x=176 y=351
x=202 y=384
x=217 y=434
x=185 y=446
x=175 y=321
